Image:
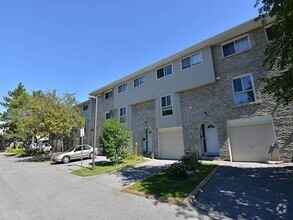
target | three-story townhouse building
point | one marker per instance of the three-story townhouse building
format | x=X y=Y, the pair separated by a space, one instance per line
x=206 y=98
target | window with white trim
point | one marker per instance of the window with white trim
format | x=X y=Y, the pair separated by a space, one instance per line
x=192 y=60
x=122 y=115
x=109 y=95
x=107 y=115
x=165 y=71
x=166 y=105
x=236 y=46
x=243 y=90
x=139 y=81
x=85 y=107
x=270 y=33
x=122 y=88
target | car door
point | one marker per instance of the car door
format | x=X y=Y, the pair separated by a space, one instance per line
x=77 y=153
x=86 y=151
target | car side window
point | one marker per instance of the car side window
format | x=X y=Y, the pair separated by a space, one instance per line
x=86 y=147
x=78 y=149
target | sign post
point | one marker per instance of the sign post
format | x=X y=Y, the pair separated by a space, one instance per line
x=81 y=139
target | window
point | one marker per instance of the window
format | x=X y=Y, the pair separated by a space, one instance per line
x=270 y=33
x=85 y=147
x=192 y=60
x=85 y=107
x=236 y=46
x=122 y=115
x=166 y=104
x=107 y=115
x=122 y=88
x=139 y=81
x=165 y=71
x=243 y=90
x=99 y=99
x=109 y=95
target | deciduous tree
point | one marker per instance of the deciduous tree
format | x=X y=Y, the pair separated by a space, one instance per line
x=279 y=53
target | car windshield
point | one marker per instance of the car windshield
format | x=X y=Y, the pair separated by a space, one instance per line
x=70 y=149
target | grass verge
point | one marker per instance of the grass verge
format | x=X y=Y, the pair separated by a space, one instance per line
x=161 y=186
x=107 y=167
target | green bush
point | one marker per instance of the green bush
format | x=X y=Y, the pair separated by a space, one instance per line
x=178 y=170
x=115 y=139
x=16 y=151
x=188 y=162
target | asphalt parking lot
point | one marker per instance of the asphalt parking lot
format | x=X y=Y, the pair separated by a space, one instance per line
x=31 y=190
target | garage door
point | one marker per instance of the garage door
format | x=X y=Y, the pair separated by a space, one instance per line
x=171 y=144
x=251 y=142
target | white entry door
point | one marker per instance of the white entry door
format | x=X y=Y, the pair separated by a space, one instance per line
x=211 y=138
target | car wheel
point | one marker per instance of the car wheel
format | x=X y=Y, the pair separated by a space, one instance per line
x=91 y=155
x=65 y=159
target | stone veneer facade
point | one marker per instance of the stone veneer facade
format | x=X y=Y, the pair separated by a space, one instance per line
x=144 y=117
x=217 y=100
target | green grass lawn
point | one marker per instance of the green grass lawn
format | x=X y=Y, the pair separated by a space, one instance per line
x=107 y=167
x=17 y=152
x=163 y=187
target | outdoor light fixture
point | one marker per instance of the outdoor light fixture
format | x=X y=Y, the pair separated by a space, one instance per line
x=205 y=114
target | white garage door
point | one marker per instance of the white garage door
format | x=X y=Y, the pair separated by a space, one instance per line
x=251 y=142
x=171 y=144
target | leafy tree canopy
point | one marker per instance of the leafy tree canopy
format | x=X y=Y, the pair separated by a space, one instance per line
x=40 y=114
x=279 y=53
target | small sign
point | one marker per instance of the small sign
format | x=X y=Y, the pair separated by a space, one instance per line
x=82 y=132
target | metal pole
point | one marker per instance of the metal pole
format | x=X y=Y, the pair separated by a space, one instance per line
x=81 y=151
x=95 y=132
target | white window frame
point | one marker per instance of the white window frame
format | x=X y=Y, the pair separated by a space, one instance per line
x=233 y=40
x=122 y=87
x=253 y=89
x=107 y=112
x=139 y=81
x=120 y=116
x=170 y=64
x=198 y=52
x=265 y=30
x=166 y=107
x=111 y=90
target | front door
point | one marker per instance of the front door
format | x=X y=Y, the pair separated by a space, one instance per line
x=147 y=141
x=211 y=139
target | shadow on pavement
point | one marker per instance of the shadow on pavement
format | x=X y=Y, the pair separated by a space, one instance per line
x=133 y=174
x=248 y=193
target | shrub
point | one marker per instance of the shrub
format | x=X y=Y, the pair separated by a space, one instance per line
x=192 y=161
x=115 y=139
x=178 y=170
x=187 y=162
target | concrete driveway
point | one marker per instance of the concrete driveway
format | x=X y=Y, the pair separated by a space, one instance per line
x=30 y=190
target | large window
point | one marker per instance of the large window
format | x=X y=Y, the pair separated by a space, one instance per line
x=165 y=71
x=236 y=46
x=109 y=94
x=192 y=60
x=243 y=90
x=139 y=81
x=166 y=104
x=122 y=88
x=122 y=115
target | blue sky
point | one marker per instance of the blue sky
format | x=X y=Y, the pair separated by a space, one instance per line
x=77 y=46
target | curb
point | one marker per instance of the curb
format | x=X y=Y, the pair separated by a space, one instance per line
x=191 y=197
